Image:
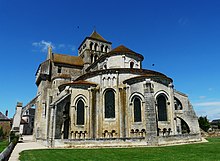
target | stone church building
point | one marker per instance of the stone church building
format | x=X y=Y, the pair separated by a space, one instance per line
x=103 y=96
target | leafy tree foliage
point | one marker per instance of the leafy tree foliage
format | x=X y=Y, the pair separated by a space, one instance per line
x=204 y=123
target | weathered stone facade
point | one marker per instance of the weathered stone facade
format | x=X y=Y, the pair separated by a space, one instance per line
x=104 y=96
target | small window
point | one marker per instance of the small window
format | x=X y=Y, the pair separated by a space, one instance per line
x=106 y=49
x=132 y=65
x=91 y=57
x=95 y=57
x=91 y=45
x=59 y=69
x=96 y=47
x=102 y=48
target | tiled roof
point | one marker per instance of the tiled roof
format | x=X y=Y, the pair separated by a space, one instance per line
x=125 y=50
x=141 y=72
x=3 y=117
x=96 y=36
x=122 y=48
x=67 y=59
x=65 y=76
x=76 y=83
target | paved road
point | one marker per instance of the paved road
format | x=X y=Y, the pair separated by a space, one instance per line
x=27 y=144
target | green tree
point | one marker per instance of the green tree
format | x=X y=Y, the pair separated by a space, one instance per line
x=204 y=123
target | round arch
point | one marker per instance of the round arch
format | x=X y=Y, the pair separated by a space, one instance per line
x=185 y=129
x=136 y=94
x=80 y=97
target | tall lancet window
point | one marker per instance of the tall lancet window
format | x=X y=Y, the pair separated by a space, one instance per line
x=137 y=110
x=162 y=108
x=109 y=104
x=80 y=110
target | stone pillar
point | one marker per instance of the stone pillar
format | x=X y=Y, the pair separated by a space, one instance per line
x=122 y=104
x=17 y=118
x=171 y=110
x=93 y=114
x=150 y=114
x=51 y=126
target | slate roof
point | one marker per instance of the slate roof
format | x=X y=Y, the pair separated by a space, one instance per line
x=67 y=59
x=3 y=117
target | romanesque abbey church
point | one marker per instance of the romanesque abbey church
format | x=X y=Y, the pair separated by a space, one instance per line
x=103 y=96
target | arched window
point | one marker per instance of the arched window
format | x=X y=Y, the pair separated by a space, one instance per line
x=137 y=110
x=178 y=104
x=80 y=109
x=96 y=47
x=90 y=45
x=109 y=104
x=91 y=57
x=102 y=48
x=95 y=58
x=131 y=64
x=106 y=49
x=162 y=108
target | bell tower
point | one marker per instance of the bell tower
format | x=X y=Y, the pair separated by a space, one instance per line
x=92 y=48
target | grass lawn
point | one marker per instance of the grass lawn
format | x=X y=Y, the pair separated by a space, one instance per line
x=200 y=152
x=3 y=145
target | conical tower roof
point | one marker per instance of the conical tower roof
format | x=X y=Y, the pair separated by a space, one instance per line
x=96 y=36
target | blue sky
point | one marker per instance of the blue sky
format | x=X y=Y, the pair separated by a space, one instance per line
x=181 y=37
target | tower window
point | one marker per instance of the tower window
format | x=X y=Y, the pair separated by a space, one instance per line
x=96 y=47
x=91 y=58
x=91 y=45
x=102 y=48
x=95 y=57
x=106 y=49
x=109 y=104
x=59 y=69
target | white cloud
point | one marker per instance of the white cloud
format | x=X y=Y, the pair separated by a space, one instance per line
x=210 y=109
x=202 y=97
x=206 y=104
x=43 y=45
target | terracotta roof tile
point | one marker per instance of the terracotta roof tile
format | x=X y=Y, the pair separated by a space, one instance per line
x=67 y=76
x=96 y=36
x=67 y=59
x=75 y=83
x=123 y=49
